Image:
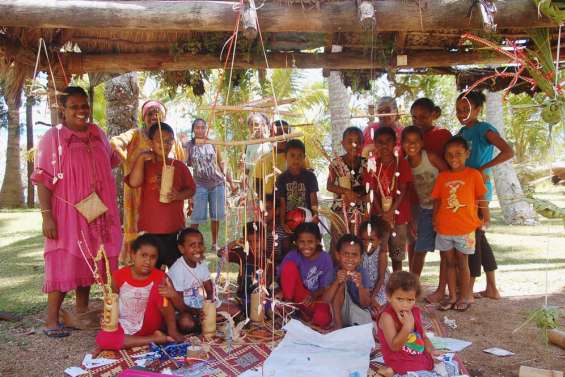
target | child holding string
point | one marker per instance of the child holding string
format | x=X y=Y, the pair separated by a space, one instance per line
x=482 y=138
x=388 y=177
x=162 y=220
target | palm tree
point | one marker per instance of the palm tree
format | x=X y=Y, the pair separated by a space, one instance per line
x=514 y=208
x=12 y=80
x=339 y=109
x=122 y=95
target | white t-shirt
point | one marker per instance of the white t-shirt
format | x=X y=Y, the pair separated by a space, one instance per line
x=190 y=281
x=133 y=302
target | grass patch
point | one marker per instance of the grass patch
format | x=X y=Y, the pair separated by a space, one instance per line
x=519 y=249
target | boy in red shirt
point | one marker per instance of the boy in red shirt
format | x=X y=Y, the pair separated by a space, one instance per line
x=388 y=178
x=162 y=220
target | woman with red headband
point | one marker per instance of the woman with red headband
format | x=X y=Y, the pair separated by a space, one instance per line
x=129 y=145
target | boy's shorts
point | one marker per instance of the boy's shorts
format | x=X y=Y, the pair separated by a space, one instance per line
x=464 y=243
x=216 y=197
x=397 y=244
x=426 y=235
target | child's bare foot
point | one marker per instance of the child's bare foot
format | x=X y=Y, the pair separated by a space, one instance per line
x=385 y=372
x=435 y=297
x=160 y=337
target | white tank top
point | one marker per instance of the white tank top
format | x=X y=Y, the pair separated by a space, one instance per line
x=424 y=176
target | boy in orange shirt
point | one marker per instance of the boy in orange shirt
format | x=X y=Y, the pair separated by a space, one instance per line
x=457 y=193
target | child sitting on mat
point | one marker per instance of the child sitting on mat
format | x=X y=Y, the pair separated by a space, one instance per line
x=192 y=283
x=305 y=275
x=406 y=349
x=140 y=304
x=162 y=220
x=374 y=234
x=254 y=266
x=349 y=293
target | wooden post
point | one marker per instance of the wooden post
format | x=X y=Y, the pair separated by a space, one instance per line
x=249 y=21
x=275 y=16
x=29 y=146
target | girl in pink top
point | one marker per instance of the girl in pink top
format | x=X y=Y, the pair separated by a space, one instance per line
x=74 y=160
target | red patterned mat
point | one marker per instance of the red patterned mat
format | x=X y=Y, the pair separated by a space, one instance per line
x=230 y=361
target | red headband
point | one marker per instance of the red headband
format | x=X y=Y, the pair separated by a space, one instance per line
x=150 y=105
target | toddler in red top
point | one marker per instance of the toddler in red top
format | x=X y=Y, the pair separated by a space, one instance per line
x=163 y=220
x=388 y=178
x=404 y=344
x=141 y=308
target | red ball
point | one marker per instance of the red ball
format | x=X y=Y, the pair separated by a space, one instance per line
x=295 y=217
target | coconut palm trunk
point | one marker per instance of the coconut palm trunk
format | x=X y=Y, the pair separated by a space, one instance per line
x=11 y=194
x=515 y=209
x=122 y=95
x=339 y=109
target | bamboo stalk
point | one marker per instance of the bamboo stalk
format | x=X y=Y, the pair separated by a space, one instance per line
x=229 y=108
x=292 y=135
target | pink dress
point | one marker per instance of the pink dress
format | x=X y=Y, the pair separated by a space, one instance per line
x=71 y=165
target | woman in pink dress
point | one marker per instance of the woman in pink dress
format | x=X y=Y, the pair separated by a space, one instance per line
x=74 y=161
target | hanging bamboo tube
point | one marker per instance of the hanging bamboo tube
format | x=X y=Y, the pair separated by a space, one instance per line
x=256 y=312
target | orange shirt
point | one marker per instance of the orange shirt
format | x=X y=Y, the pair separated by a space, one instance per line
x=458 y=193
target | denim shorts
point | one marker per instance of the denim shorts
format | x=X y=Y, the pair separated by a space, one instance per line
x=215 y=198
x=463 y=243
x=426 y=235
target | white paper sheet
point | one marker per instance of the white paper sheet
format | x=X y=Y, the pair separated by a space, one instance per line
x=305 y=352
x=88 y=362
x=450 y=344
x=498 y=351
x=75 y=371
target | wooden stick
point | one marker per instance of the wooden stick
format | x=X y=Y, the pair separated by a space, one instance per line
x=292 y=135
x=269 y=102
x=376 y=115
x=229 y=108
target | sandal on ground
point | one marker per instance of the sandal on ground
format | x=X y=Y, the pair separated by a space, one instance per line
x=461 y=306
x=481 y=294
x=446 y=305
x=59 y=332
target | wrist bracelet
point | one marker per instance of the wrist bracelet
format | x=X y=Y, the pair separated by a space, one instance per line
x=45 y=210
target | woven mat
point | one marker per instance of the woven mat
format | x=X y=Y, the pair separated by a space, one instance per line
x=231 y=360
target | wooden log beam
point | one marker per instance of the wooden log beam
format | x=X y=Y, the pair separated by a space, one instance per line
x=83 y=63
x=274 y=16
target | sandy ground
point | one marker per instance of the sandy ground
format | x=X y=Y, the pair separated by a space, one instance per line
x=25 y=351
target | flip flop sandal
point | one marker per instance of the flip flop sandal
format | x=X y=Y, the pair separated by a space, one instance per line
x=479 y=295
x=446 y=305
x=59 y=332
x=461 y=307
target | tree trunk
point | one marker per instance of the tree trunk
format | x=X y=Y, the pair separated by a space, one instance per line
x=11 y=194
x=339 y=109
x=515 y=210
x=29 y=147
x=121 y=94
